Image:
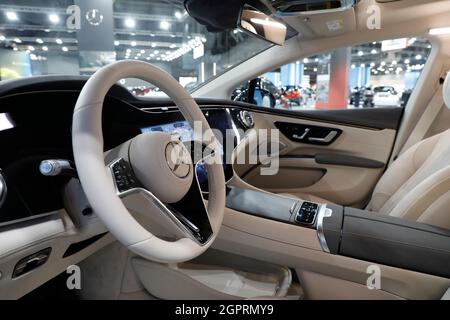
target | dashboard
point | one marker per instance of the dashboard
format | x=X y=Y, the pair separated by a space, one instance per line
x=35 y=125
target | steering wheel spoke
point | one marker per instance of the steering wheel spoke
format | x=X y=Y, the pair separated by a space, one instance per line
x=189 y=215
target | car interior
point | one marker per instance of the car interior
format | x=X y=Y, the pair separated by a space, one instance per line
x=348 y=99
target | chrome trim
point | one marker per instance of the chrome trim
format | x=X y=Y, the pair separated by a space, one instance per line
x=150 y=196
x=3 y=189
x=324 y=212
x=294 y=206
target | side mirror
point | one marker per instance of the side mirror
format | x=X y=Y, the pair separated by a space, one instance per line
x=263 y=26
x=264 y=98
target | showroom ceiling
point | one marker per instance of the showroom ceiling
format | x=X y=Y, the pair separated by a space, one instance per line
x=158 y=30
x=150 y=30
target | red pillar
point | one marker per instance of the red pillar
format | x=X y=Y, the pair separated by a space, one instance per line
x=338 y=81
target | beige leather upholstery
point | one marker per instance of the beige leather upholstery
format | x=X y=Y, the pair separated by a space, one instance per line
x=417 y=185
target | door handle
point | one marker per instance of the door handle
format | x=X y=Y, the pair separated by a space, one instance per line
x=330 y=136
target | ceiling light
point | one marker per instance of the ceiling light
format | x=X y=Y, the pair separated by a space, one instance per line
x=306 y=60
x=156 y=52
x=142 y=51
x=374 y=51
x=2 y=38
x=440 y=31
x=178 y=15
x=45 y=48
x=15 y=49
x=407 y=61
x=128 y=50
x=11 y=15
x=152 y=35
x=39 y=40
x=116 y=43
x=418 y=57
x=130 y=23
x=153 y=44
x=17 y=40
x=360 y=53
x=372 y=64
x=173 y=45
x=353 y=66
x=158 y=59
x=133 y=43
x=172 y=36
x=148 y=58
x=58 y=41
x=164 y=25
x=383 y=63
x=394 y=63
x=54 y=18
x=31 y=48
x=362 y=65
x=65 y=49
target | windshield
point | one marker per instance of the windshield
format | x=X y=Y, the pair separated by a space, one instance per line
x=78 y=37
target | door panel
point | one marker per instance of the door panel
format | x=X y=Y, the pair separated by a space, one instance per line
x=345 y=171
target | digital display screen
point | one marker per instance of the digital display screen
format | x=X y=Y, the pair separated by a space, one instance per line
x=182 y=128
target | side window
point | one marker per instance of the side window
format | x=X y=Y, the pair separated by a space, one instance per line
x=371 y=75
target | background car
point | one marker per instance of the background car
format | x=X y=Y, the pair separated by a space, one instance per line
x=386 y=96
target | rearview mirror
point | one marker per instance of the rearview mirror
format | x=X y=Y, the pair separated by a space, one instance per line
x=260 y=24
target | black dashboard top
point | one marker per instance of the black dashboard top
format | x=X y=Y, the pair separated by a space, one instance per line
x=40 y=109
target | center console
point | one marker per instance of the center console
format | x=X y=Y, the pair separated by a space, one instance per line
x=275 y=207
x=355 y=233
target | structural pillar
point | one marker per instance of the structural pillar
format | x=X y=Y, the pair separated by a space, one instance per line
x=333 y=82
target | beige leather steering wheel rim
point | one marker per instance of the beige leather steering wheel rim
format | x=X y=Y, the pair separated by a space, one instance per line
x=96 y=179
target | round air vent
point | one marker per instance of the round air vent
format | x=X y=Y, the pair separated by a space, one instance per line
x=2 y=189
x=246 y=119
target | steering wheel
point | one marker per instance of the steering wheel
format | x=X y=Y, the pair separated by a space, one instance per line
x=148 y=164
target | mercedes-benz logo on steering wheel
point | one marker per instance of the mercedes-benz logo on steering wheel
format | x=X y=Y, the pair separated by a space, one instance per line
x=178 y=159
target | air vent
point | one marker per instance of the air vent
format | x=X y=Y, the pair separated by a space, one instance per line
x=246 y=119
x=3 y=189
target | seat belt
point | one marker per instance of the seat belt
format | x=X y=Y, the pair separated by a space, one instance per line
x=427 y=119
